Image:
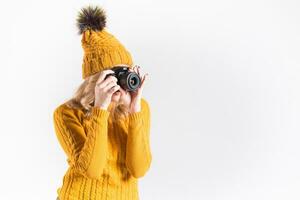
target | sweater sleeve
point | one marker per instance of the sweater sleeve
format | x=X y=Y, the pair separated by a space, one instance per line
x=86 y=148
x=138 y=151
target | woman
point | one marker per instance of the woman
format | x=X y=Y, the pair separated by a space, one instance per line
x=103 y=129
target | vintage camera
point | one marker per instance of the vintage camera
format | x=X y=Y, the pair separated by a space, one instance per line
x=128 y=80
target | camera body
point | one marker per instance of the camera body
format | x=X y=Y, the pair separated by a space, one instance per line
x=128 y=80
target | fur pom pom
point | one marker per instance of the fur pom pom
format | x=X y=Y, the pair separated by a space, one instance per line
x=91 y=17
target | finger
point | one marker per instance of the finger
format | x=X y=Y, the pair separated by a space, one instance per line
x=131 y=69
x=114 y=89
x=109 y=86
x=138 y=69
x=104 y=77
x=143 y=81
x=108 y=80
x=134 y=69
x=103 y=74
x=144 y=78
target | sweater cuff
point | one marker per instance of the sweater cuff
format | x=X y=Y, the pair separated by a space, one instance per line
x=99 y=112
x=135 y=118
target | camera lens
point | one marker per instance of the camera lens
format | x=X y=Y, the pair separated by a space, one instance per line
x=133 y=81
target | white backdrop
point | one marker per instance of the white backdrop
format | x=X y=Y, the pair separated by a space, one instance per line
x=223 y=88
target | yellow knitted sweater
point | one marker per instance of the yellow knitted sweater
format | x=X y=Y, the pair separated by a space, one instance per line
x=105 y=159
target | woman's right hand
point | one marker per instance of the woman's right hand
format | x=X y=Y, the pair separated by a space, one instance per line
x=105 y=88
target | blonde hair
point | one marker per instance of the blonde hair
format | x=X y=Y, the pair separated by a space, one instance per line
x=84 y=98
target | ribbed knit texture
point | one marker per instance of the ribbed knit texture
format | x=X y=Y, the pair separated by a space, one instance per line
x=102 y=50
x=105 y=159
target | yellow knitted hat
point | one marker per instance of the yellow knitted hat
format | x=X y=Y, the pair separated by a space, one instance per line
x=102 y=50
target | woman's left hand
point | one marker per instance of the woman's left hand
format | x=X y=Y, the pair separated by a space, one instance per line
x=135 y=104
